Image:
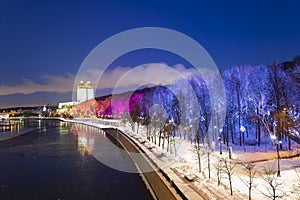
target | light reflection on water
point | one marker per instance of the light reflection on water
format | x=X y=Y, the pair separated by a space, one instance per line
x=12 y=128
x=104 y=148
x=54 y=161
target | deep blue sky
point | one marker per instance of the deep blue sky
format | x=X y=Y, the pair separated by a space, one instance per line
x=53 y=37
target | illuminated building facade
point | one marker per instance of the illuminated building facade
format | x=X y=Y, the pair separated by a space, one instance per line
x=85 y=91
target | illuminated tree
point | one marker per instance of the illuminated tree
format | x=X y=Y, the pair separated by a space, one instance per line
x=103 y=107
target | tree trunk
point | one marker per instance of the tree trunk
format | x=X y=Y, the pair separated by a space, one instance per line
x=138 y=126
x=250 y=192
x=159 y=138
x=259 y=132
x=199 y=161
x=168 y=145
x=163 y=143
x=232 y=131
x=208 y=164
x=148 y=133
x=154 y=134
x=239 y=110
x=230 y=184
x=274 y=193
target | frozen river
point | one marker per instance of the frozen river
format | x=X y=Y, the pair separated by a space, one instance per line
x=53 y=162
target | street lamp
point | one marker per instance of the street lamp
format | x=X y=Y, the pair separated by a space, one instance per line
x=243 y=129
x=215 y=132
x=202 y=119
x=273 y=137
x=220 y=140
x=277 y=143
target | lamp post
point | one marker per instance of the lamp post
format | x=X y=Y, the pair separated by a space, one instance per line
x=202 y=118
x=277 y=143
x=243 y=129
x=220 y=140
x=278 y=156
x=215 y=132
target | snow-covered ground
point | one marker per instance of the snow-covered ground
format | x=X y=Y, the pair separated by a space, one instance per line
x=185 y=165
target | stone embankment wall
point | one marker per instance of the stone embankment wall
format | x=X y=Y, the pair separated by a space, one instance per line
x=155 y=179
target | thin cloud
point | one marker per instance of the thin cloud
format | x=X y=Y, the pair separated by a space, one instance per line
x=49 y=83
x=157 y=73
x=143 y=75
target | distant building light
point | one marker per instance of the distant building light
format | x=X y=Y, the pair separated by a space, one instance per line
x=64 y=104
x=273 y=137
x=243 y=128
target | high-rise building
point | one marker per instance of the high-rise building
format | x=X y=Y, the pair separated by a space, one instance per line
x=85 y=91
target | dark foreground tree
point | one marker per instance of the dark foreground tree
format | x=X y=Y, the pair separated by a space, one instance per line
x=228 y=169
x=273 y=189
x=251 y=173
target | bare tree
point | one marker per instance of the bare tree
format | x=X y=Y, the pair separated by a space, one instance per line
x=251 y=173
x=240 y=86
x=158 y=118
x=218 y=167
x=199 y=151
x=228 y=169
x=175 y=143
x=273 y=185
x=284 y=93
x=207 y=151
x=257 y=93
x=167 y=133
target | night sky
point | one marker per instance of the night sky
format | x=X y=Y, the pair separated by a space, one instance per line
x=42 y=41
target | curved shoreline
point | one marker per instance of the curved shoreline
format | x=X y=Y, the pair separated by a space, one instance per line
x=169 y=182
x=154 y=179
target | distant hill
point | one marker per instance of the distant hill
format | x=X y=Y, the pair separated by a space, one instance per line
x=41 y=98
x=34 y=99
